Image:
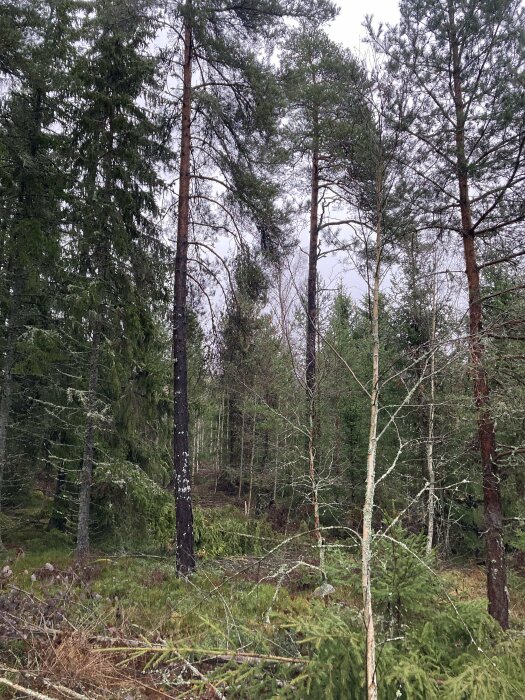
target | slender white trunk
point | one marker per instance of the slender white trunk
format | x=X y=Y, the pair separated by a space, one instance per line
x=368 y=508
x=241 y=461
x=431 y=415
x=315 y=490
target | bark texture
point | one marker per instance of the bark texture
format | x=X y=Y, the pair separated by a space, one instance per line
x=368 y=508
x=86 y=476
x=495 y=551
x=185 y=559
x=312 y=312
x=312 y=315
x=431 y=475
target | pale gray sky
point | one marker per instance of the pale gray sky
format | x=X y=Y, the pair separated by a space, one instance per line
x=348 y=29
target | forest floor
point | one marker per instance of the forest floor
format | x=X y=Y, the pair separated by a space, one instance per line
x=125 y=626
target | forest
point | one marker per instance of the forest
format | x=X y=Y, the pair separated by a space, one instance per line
x=262 y=351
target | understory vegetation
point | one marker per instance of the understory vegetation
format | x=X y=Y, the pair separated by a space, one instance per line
x=262 y=350
x=252 y=623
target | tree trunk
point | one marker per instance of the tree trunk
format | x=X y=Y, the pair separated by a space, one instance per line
x=311 y=312
x=252 y=462
x=218 y=450
x=311 y=349
x=185 y=559
x=5 y=407
x=431 y=418
x=241 y=456
x=58 y=519
x=86 y=476
x=368 y=508
x=276 y=468
x=495 y=551
x=315 y=495
x=233 y=433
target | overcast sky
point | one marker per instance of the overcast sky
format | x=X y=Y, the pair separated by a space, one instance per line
x=348 y=29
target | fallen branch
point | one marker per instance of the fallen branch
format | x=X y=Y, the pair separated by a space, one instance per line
x=201 y=676
x=61 y=688
x=24 y=691
x=240 y=657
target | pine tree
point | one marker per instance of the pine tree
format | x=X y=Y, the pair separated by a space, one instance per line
x=225 y=124
x=464 y=63
x=325 y=107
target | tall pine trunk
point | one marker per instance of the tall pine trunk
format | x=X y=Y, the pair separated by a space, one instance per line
x=86 y=476
x=495 y=551
x=185 y=559
x=312 y=316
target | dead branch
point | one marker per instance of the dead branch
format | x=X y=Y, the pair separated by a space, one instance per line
x=25 y=691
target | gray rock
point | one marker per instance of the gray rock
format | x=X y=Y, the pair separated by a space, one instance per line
x=324 y=590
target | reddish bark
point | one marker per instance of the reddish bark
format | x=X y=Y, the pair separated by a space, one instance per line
x=495 y=550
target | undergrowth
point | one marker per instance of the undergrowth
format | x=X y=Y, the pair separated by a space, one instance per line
x=435 y=638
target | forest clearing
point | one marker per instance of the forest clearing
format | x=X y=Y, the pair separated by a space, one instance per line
x=262 y=344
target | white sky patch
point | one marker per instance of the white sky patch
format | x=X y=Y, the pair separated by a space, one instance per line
x=348 y=27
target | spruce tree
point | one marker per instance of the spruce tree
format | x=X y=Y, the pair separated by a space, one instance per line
x=119 y=142
x=31 y=180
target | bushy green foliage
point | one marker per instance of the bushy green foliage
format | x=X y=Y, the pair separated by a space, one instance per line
x=131 y=509
x=225 y=532
x=495 y=674
x=335 y=647
x=403 y=583
x=437 y=660
x=430 y=645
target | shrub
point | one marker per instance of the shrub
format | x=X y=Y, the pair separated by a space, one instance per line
x=225 y=532
x=131 y=509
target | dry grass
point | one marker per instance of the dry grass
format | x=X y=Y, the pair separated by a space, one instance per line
x=72 y=661
x=469 y=582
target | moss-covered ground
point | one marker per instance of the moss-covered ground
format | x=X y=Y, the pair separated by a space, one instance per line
x=250 y=623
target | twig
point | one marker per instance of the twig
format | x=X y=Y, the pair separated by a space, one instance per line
x=25 y=691
x=46 y=681
x=200 y=675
